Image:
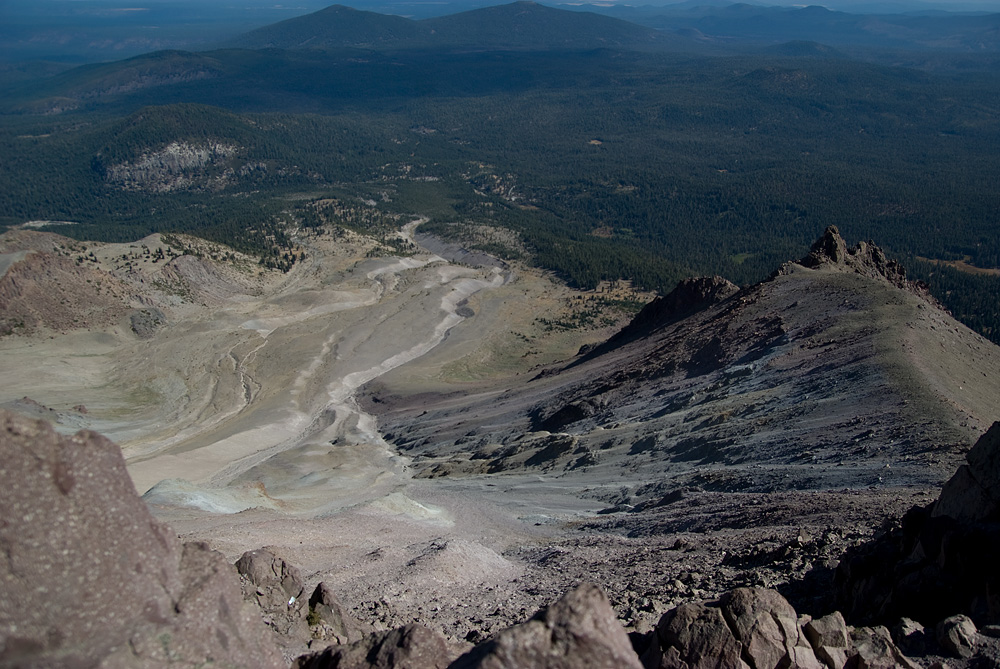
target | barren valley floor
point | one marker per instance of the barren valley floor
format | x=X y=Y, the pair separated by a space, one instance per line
x=247 y=414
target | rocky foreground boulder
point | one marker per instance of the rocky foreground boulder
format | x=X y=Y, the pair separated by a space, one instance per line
x=277 y=591
x=942 y=559
x=747 y=628
x=579 y=630
x=757 y=628
x=89 y=577
x=412 y=646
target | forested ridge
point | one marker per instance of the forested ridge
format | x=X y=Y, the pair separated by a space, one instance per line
x=605 y=163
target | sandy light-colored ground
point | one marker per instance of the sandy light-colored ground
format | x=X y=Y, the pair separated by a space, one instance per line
x=238 y=420
x=251 y=365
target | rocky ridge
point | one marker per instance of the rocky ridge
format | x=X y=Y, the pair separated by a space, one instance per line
x=692 y=558
x=828 y=357
x=864 y=258
x=49 y=284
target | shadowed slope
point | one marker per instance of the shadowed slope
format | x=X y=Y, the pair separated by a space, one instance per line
x=821 y=376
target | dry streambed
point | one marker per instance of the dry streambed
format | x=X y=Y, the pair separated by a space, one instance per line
x=240 y=397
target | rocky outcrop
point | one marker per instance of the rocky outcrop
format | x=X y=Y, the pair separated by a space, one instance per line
x=174 y=167
x=89 y=577
x=747 y=628
x=329 y=622
x=767 y=626
x=695 y=635
x=957 y=636
x=54 y=291
x=410 y=647
x=830 y=639
x=579 y=630
x=873 y=648
x=973 y=494
x=277 y=589
x=690 y=296
x=757 y=628
x=147 y=322
x=815 y=364
x=864 y=258
x=940 y=561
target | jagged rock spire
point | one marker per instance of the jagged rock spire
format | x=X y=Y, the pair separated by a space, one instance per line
x=830 y=247
x=865 y=258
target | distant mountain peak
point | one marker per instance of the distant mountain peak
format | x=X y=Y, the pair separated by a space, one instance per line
x=521 y=24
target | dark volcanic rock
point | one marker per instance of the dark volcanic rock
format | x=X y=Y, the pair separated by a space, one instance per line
x=276 y=587
x=831 y=247
x=910 y=636
x=89 y=576
x=830 y=639
x=973 y=493
x=757 y=628
x=690 y=296
x=865 y=258
x=750 y=627
x=767 y=626
x=410 y=647
x=695 y=635
x=941 y=560
x=579 y=630
x=328 y=619
x=957 y=635
x=874 y=649
x=270 y=580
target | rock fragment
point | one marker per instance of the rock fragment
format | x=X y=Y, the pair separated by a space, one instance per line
x=830 y=639
x=910 y=636
x=957 y=636
x=579 y=630
x=973 y=493
x=277 y=589
x=696 y=636
x=328 y=620
x=876 y=650
x=410 y=647
x=767 y=627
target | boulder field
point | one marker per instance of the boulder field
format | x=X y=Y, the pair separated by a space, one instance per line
x=90 y=578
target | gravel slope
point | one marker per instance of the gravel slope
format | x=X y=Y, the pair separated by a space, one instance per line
x=401 y=428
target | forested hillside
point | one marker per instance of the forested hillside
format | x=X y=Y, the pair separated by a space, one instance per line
x=603 y=163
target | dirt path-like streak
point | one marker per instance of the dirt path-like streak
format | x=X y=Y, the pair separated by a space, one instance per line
x=320 y=410
x=208 y=413
x=204 y=415
x=341 y=421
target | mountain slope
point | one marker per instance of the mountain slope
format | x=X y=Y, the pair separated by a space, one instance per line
x=747 y=23
x=521 y=25
x=530 y=25
x=335 y=26
x=835 y=372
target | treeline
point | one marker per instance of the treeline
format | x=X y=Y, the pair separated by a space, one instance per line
x=971 y=297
